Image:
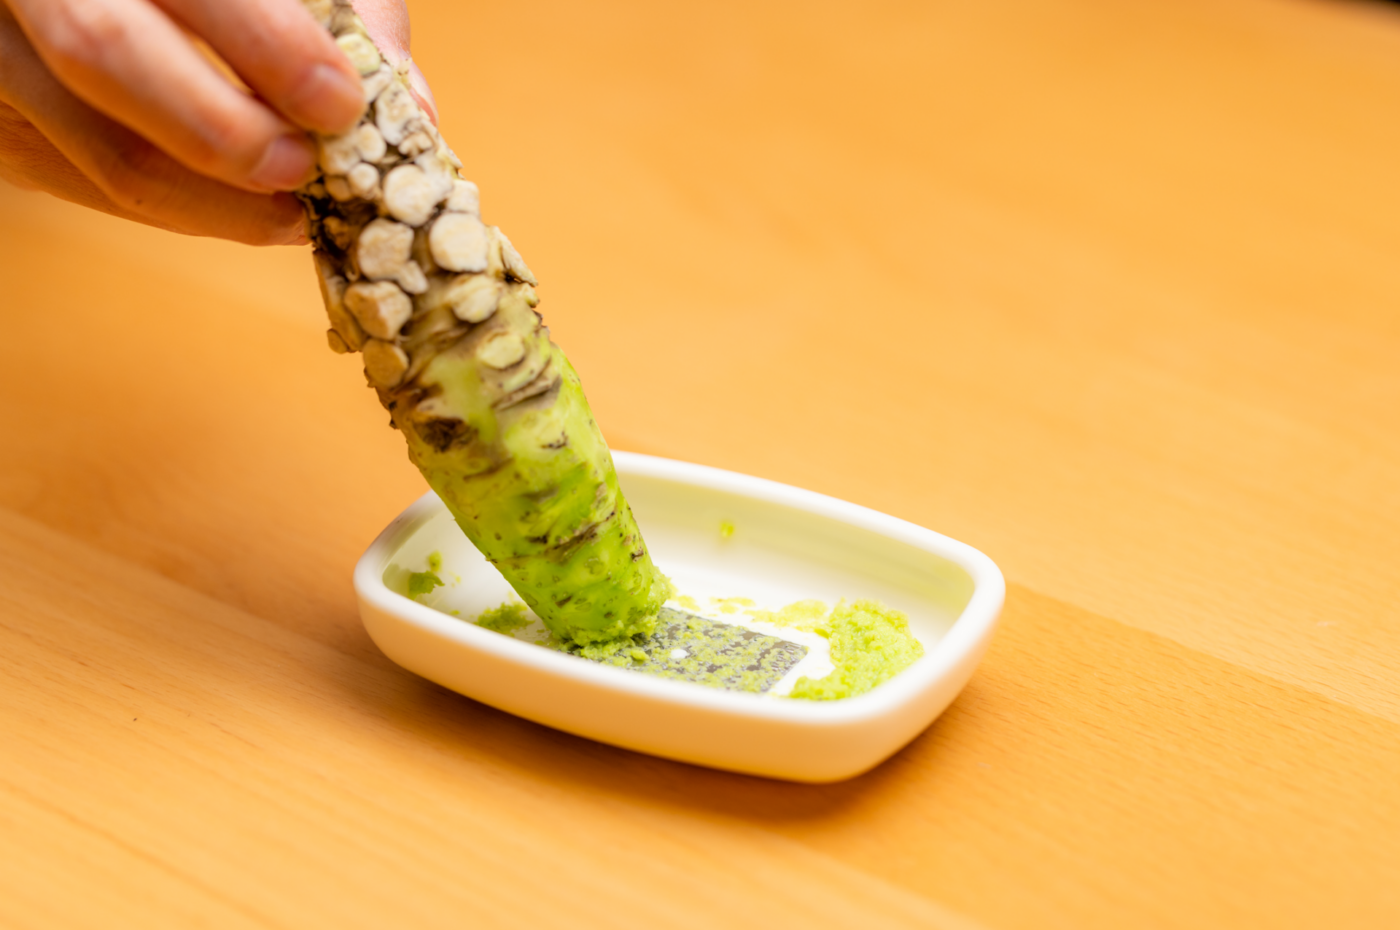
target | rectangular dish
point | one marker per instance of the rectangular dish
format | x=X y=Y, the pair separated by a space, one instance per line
x=717 y=534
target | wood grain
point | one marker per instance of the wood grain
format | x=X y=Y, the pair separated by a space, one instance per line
x=1105 y=289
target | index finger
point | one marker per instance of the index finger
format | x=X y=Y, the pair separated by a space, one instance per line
x=283 y=54
x=129 y=60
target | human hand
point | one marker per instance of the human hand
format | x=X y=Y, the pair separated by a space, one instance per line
x=112 y=105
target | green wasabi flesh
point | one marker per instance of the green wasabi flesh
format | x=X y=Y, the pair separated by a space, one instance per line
x=521 y=465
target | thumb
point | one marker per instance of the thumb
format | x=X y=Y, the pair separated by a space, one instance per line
x=387 y=22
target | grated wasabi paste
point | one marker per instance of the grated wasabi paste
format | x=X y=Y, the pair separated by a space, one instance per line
x=870 y=644
x=504 y=619
x=420 y=583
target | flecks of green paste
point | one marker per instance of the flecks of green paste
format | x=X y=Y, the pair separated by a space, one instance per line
x=730 y=605
x=726 y=529
x=688 y=602
x=420 y=583
x=504 y=619
x=613 y=652
x=800 y=615
x=870 y=644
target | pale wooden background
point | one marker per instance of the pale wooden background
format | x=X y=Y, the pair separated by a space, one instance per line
x=1107 y=289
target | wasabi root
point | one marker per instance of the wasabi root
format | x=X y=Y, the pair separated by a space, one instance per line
x=442 y=309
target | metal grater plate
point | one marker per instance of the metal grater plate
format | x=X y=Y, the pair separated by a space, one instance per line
x=688 y=647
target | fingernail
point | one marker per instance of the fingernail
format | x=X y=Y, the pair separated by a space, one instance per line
x=288 y=163
x=419 y=84
x=328 y=100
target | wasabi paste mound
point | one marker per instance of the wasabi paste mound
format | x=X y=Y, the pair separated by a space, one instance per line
x=870 y=644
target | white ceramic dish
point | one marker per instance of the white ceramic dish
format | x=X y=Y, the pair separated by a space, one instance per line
x=787 y=545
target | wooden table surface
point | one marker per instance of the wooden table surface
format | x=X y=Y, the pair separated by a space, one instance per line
x=1106 y=289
